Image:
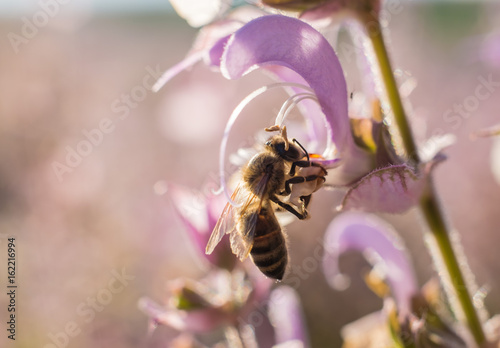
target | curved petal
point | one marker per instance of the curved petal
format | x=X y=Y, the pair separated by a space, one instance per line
x=382 y=247
x=434 y=145
x=199 y=214
x=191 y=208
x=289 y=42
x=315 y=120
x=213 y=56
x=184 y=64
x=286 y=316
x=210 y=38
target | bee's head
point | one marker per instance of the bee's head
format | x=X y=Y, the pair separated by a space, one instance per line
x=284 y=148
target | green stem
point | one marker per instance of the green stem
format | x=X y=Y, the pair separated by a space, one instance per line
x=434 y=217
x=428 y=204
x=393 y=94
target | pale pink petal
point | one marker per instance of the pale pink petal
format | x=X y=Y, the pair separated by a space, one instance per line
x=186 y=63
x=197 y=321
x=380 y=244
x=208 y=38
x=393 y=189
x=199 y=214
x=286 y=315
x=434 y=145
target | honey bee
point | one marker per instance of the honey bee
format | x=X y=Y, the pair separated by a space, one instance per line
x=269 y=178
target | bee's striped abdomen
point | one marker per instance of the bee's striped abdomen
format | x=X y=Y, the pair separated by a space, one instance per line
x=269 y=253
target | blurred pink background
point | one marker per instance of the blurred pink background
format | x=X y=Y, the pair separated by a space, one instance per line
x=111 y=212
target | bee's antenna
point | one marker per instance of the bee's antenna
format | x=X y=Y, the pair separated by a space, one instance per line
x=272 y=128
x=302 y=147
x=284 y=135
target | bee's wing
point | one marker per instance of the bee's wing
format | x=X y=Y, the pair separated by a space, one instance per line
x=242 y=242
x=226 y=222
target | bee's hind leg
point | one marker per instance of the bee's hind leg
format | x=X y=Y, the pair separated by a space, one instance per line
x=289 y=208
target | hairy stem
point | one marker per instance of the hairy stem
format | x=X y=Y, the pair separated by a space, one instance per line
x=429 y=205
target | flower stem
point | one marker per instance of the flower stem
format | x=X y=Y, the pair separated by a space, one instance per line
x=428 y=204
x=434 y=217
x=393 y=96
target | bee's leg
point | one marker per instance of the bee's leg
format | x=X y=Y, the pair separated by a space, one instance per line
x=305 y=164
x=301 y=179
x=302 y=147
x=289 y=208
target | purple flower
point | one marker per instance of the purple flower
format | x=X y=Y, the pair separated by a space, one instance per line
x=233 y=302
x=300 y=56
x=219 y=299
x=222 y=300
x=381 y=246
x=305 y=63
x=303 y=55
x=409 y=316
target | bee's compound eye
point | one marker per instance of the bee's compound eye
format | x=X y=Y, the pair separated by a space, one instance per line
x=268 y=143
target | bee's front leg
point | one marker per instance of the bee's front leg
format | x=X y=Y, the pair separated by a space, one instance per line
x=305 y=164
x=289 y=208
